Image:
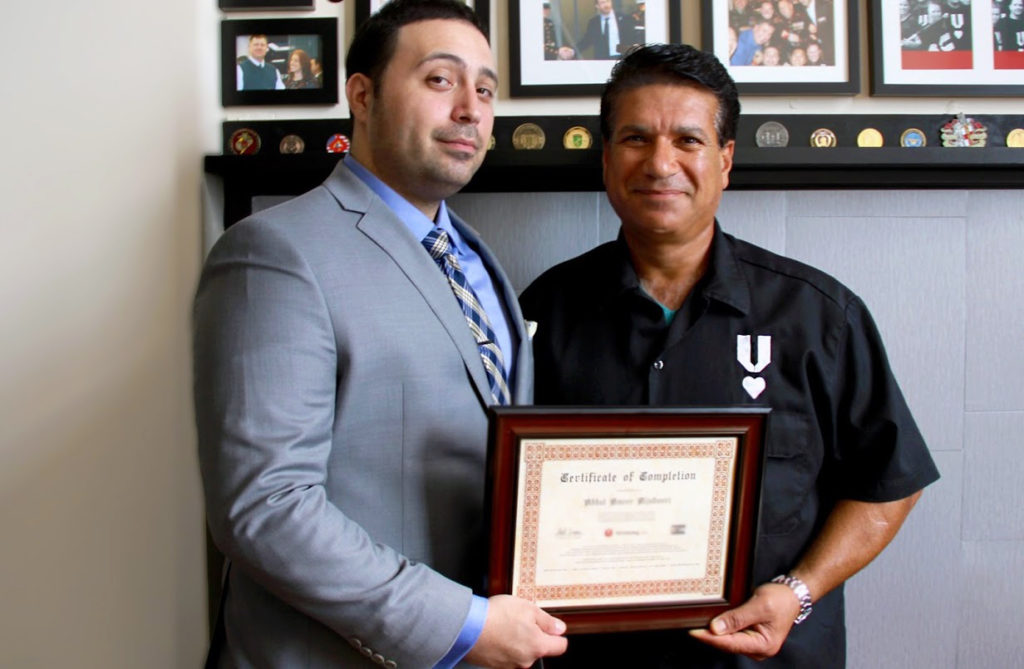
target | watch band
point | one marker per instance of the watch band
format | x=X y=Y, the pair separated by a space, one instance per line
x=802 y=593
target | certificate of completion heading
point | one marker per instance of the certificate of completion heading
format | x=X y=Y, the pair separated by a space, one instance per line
x=623 y=521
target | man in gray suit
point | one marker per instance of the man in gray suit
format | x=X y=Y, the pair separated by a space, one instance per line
x=341 y=396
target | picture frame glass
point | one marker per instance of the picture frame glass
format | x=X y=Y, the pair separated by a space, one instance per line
x=950 y=43
x=298 y=59
x=784 y=42
x=568 y=47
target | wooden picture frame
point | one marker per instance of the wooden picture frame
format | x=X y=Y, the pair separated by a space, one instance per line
x=797 y=54
x=556 y=51
x=265 y=5
x=961 y=50
x=663 y=505
x=283 y=39
x=366 y=7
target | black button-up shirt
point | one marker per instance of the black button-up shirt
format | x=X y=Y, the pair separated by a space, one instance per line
x=758 y=329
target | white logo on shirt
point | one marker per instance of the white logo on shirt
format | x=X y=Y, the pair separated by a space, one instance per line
x=754 y=385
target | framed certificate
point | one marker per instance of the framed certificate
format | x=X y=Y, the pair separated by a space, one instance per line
x=625 y=518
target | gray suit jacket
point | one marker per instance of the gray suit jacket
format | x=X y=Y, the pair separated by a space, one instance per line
x=341 y=411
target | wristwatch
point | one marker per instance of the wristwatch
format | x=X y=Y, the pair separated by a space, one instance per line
x=799 y=589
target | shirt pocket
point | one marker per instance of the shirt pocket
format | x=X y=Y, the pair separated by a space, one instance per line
x=792 y=462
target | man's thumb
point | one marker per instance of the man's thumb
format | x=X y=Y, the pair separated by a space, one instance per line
x=550 y=624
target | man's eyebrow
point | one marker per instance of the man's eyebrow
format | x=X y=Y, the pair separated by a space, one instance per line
x=459 y=62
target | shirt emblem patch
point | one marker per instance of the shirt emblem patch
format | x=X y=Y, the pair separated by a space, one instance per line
x=754 y=385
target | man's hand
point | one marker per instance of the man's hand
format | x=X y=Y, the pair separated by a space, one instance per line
x=758 y=627
x=516 y=633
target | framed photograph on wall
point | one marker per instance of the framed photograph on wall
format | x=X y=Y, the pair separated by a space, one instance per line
x=568 y=47
x=947 y=47
x=279 y=62
x=366 y=7
x=254 y=5
x=781 y=47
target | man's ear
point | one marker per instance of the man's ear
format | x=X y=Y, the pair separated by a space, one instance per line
x=359 y=93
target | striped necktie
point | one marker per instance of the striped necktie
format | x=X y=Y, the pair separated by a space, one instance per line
x=438 y=245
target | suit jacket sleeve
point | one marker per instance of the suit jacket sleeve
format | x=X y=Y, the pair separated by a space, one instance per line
x=266 y=370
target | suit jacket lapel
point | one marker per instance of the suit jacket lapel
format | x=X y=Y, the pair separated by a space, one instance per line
x=522 y=371
x=386 y=230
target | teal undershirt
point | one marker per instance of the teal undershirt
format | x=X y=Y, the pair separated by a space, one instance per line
x=669 y=314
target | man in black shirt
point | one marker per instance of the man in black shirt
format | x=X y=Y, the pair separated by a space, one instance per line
x=675 y=312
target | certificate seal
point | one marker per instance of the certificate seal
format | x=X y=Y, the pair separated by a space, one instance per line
x=1015 y=138
x=963 y=131
x=337 y=143
x=771 y=135
x=292 y=144
x=823 y=138
x=245 y=142
x=577 y=137
x=528 y=136
x=913 y=138
x=870 y=137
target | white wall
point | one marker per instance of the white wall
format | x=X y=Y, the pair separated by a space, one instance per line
x=101 y=545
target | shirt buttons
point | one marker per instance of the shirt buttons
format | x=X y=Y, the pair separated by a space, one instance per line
x=658 y=365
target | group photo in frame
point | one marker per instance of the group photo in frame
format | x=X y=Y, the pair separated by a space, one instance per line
x=279 y=62
x=568 y=47
x=366 y=7
x=947 y=47
x=781 y=47
x=618 y=519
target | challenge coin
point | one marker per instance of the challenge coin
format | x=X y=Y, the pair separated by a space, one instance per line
x=823 y=138
x=577 y=137
x=869 y=137
x=245 y=142
x=338 y=143
x=292 y=144
x=913 y=138
x=1015 y=138
x=528 y=136
x=771 y=134
x=491 y=143
x=964 y=131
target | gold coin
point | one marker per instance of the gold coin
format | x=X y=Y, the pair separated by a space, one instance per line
x=577 y=137
x=1015 y=138
x=528 y=136
x=823 y=138
x=491 y=143
x=870 y=137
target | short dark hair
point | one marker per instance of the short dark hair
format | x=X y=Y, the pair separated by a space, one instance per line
x=374 y=42
x=673 y=64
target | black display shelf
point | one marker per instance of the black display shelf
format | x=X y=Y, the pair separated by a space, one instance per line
x=556 y=169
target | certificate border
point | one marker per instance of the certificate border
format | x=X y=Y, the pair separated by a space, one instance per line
x=510 y=425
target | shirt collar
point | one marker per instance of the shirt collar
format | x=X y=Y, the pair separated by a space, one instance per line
x=723 y=279
x=414 y=219
x=257 y=63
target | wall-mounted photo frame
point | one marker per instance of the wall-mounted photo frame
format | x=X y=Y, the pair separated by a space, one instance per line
x=279 y=62
x=366 y=7
x=952 y=47
x=265 y=5
x=568 y=47
x=783 y=47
